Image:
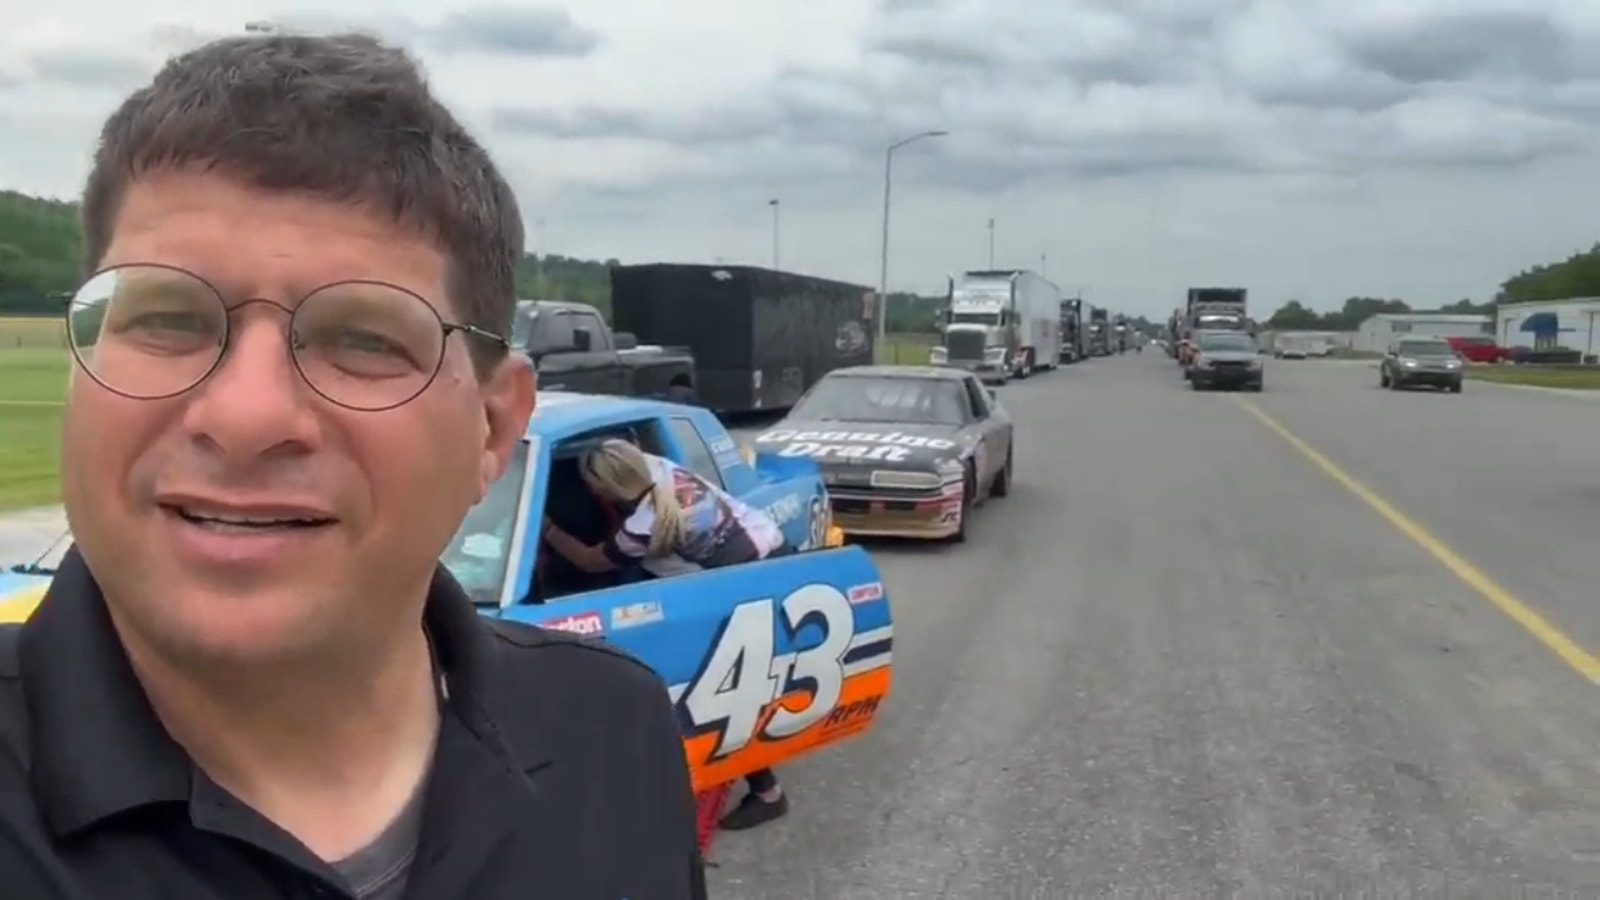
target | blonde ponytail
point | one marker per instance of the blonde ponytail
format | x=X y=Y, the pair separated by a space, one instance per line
x=666 y=533
x=618 y=470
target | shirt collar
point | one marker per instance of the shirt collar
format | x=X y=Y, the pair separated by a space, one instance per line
x=98 y=748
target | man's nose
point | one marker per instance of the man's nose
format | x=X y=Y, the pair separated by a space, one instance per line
x=256 y=401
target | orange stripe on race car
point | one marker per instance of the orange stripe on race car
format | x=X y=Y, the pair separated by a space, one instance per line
x=860 y=702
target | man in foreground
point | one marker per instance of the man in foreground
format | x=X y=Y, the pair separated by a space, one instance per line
x=251 y=678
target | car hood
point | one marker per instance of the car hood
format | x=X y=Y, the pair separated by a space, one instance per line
x=878 y=445
x=1229 y=355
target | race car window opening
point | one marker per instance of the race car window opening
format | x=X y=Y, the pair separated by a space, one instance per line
x=491 y=535
x=697 y=456
x=980 y=401
x=927 y=401
x=571 y=506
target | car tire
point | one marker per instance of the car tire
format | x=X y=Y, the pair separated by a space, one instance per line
x=1455 y=388
x=1383 y=378
x=1256 y=388
x=1002 y=479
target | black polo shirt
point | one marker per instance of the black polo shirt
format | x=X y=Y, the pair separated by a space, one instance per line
x=559 y=774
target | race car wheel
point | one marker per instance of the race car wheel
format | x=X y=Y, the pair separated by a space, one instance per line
x=1002 y=479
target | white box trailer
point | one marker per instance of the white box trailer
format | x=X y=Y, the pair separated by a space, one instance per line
x=1038 y=306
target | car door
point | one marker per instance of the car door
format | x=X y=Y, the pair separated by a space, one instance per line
x=991 y=443
x=765 y=662
x=604 y=369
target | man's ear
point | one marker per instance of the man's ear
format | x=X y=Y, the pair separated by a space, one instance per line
x=509 y=394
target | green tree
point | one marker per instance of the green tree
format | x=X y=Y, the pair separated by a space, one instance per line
x=1576 y=276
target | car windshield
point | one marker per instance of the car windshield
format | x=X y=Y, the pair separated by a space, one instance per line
x=480 y=552
x=1425 y=348
x=1227 y=343
x=925 y=401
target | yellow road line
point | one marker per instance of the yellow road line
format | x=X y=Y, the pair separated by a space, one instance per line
x=1586 y=663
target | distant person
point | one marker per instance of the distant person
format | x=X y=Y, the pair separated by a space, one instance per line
x=251 y=678
x=672 y=522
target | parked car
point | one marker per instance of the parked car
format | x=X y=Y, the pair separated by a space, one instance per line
x=1478 y=349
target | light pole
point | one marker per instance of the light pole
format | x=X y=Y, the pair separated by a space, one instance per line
x=991 y=245
x=883 y=262
x=774 y=204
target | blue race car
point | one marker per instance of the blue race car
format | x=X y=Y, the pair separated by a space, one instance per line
x=765 y=661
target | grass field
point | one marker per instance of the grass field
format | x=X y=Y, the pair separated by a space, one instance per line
x=1586 y=378
x=31 y=334
x=32 y=383
x=906 y=349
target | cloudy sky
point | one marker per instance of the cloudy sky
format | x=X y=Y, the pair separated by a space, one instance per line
x=1306 y=149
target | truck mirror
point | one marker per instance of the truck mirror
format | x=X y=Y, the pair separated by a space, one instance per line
x=626 y=340
x=993 y=394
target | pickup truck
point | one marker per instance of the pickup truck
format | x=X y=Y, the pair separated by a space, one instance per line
x=574 y=349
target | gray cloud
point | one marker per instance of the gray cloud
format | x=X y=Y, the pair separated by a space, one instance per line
x=518 y=32
x=90 y=69
x=1462 y=46
x=1111 y=89
x=498 y=29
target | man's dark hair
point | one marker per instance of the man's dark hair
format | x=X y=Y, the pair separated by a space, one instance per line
x=342 y=116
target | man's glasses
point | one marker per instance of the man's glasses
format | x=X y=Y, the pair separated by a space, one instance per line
x=150 y=331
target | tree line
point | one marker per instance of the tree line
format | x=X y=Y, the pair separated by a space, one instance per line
x=41 y=254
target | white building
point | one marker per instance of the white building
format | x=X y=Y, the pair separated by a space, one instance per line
x=1378 y=332
x=1555 y=323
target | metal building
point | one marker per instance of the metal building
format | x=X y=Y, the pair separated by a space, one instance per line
x=1544 y=326
x=1376 y=333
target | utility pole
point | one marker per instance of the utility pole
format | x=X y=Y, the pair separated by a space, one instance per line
x=883 y=262
x=991 y=245
x=774 y=204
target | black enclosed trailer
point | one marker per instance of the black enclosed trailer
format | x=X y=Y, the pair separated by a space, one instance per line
x=760 y=338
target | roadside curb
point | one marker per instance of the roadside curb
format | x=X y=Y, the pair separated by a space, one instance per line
x=1539 y=388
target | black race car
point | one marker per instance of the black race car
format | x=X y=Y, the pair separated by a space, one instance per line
x=905 y=450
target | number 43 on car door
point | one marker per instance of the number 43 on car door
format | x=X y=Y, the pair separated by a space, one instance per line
x=785 y=675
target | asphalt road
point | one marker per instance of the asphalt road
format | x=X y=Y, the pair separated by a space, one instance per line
x=1181 y=659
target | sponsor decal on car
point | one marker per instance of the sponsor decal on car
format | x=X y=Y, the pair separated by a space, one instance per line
x=635 y=614
x=890 y=446
x=865 y=593
x=585 y=624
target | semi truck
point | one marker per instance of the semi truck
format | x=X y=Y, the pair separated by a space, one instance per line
x=1099 y=332
x=1121 y=337
x=759 y=337
x=1000 y=324
x=1072 y=334
x=1214 y=309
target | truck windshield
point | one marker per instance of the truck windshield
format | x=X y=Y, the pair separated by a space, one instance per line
x=522 y=326
x=481 y=550
x=1226 y=343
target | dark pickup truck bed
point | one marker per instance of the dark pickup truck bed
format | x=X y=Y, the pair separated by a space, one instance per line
x=574 y=349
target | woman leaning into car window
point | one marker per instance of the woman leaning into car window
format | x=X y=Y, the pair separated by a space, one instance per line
x=674 y=522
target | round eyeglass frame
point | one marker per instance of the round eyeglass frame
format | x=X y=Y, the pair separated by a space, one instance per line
x=446 y=329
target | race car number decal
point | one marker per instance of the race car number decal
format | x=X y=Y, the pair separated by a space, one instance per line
x=744 y=675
